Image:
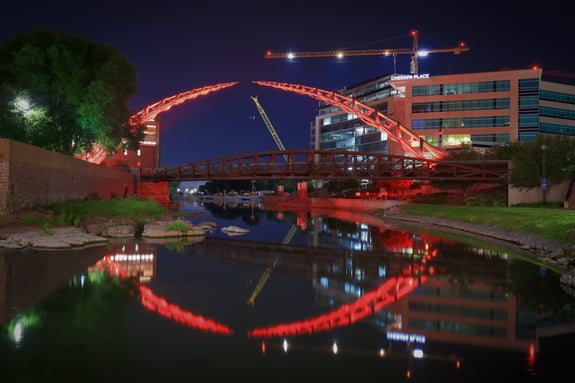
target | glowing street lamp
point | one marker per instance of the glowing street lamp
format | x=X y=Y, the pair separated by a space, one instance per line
x=23 y=105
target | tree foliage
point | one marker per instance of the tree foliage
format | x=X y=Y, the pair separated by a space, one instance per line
x=550 y=156
x=82 y=88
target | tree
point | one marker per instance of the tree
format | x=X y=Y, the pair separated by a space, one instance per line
x=82 y=87
x=550 y=156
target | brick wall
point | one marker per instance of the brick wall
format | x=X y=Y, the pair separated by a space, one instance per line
x=32 y=177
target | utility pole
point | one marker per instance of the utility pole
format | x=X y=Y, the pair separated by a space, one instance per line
x=544 y=182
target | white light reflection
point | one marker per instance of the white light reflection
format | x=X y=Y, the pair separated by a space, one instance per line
x=334 y=348
x=17 y=334
x=285 y=345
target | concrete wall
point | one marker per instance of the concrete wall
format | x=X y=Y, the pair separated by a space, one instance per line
x=32 y=177
x=554 y=193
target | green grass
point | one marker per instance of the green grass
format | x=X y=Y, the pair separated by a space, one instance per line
x=178 y=225
x=140 y=210
x=557 y=224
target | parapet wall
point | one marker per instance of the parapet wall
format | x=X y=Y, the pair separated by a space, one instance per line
x=32 y=177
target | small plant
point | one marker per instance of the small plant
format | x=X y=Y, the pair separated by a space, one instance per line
x=178 y=225
x=47 y=227
x=176 y=246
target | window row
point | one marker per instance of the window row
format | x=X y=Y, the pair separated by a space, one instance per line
x=550 y=95
x=458 y=106
x=461 y=88
x=455 y=123
x=557 y=112
x=557 y=129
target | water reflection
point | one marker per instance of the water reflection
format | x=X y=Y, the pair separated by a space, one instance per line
x=338 y=287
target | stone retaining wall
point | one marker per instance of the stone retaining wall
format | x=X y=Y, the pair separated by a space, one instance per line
x=32 y=177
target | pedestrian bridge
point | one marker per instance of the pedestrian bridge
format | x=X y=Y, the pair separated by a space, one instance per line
x=328 y=165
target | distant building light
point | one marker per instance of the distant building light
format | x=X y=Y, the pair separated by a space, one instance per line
x=403 y=337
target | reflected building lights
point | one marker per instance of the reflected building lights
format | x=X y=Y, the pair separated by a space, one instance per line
x=18 y=332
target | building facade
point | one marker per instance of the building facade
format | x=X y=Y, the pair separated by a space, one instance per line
x=477 y=109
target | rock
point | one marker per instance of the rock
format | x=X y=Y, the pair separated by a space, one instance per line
x=58 y=238
x=235 y=229
x=208 y=225
x=170 y=229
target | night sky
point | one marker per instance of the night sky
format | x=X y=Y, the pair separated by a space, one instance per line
x=178 y=46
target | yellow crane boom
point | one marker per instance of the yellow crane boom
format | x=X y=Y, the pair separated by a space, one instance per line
x=268 y=271
x=269 y=124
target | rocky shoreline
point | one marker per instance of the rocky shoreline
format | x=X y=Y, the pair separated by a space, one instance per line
x=558 y=254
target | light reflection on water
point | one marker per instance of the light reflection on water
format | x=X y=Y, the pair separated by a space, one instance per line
x=340 y=298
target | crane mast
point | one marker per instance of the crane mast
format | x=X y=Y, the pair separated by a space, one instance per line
x=413 y=51
x=269 y=124
x=290 y=234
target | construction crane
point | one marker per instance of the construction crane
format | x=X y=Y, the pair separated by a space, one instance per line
x=413 y=51
x=268 y=271
x=269 y=124
x=290 y=234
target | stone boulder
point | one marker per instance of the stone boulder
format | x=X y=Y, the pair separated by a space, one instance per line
x=172 y=229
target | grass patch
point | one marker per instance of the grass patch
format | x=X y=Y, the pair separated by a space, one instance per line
x=557 y=224
x=178 y=225
x=140 y=210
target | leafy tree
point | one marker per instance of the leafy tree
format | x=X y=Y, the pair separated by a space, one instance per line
x=550 y=156
x=82 y=87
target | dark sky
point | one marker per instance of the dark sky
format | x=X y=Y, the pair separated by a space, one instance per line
x=178 y=46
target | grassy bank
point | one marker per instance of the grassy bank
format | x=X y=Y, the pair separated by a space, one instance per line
x=73 y=212
x=557 y=224
x=552 y=223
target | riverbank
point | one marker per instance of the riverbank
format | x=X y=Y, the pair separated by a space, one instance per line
x=557 y=255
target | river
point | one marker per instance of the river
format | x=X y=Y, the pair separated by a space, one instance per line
x=330 y=296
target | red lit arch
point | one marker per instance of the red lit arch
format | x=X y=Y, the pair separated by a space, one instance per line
x=409 y=141
x=150 y=113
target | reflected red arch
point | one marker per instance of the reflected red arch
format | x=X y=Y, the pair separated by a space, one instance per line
x=409 y=141
x=371 y=302
x=154 y=303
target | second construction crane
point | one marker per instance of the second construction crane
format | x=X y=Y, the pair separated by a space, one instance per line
x=415 y=53
x=269 y=124
x=290 y=234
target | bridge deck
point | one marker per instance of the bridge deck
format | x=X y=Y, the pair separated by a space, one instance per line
x=328 y=164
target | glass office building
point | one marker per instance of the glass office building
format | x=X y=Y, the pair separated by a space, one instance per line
x=478 y=109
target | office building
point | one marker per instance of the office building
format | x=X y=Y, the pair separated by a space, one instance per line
x=478 y=109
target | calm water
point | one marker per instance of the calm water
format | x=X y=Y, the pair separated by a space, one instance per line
x=331 y=296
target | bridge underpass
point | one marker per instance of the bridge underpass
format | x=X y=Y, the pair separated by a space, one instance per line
x=326 y=165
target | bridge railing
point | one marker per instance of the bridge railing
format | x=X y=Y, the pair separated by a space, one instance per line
x=325 y=164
